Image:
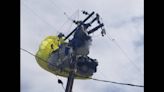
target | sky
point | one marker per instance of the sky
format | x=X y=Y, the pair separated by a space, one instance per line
x=124 y=23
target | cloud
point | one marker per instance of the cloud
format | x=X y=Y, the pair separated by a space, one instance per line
x=123 y=20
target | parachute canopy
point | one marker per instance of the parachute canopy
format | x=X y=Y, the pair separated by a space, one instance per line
x=51 y=56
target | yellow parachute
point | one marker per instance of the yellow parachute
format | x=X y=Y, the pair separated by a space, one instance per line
x=47 y=46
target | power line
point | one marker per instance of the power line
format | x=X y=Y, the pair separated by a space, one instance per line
x=123 y=51
x=57 y=30
x=68 y=18
x=117 y=82
x=55 y=5
x=59 y=81
x=128 y=84
x=43 y=20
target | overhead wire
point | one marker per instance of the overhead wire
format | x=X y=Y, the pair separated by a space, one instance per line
x=55 y=5
x=113 y=40
x=59 y=81
x=128 y=84
x=68 y=19
x=123 y=51
x=42 y=19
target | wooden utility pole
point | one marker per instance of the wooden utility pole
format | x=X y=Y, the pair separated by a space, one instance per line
x=71 y=76
x=70 y=81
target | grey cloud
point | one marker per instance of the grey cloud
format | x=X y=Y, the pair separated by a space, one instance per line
x=122 y=18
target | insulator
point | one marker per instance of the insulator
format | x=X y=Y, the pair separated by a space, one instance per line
x=60 y=81
x=103 y=32
x=98 y=18
x=84 y=12
x=98 y=21
x=76 y=22
x=60 y=35
x=97 y=15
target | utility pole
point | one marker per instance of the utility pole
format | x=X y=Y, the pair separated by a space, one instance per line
x=73 y=62
x=71 y=76
x=79 y=26
x=70 y=82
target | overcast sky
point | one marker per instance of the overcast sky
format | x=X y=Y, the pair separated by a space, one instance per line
x=123 y=21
